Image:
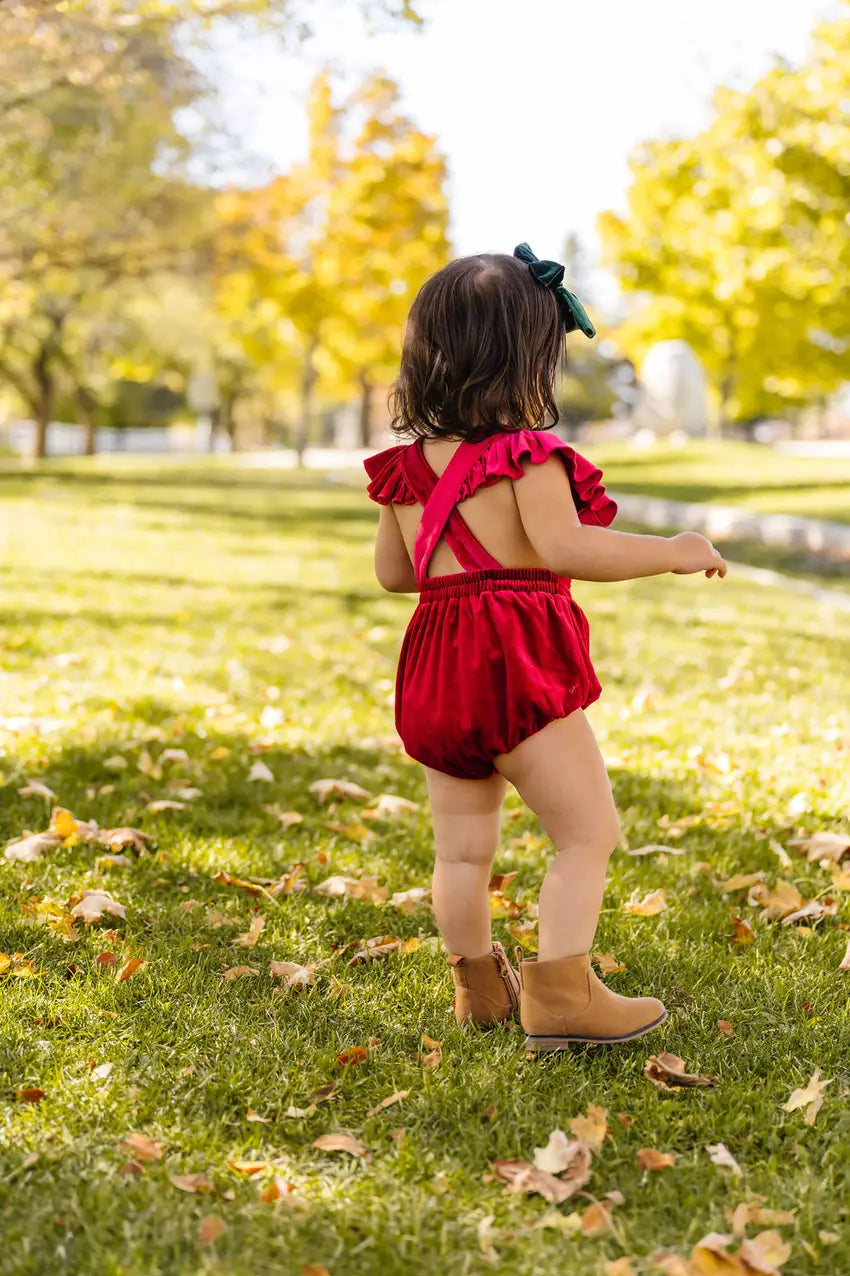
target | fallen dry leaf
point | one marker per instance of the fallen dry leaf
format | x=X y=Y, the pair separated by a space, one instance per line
x=292 y=881
x=754 y=1212
x=388 y=1102
x=192 y=1183
x=129 y=968
x=724 y=1026
x=251 y=1115
x=312 y=1269
x=29 y=1094
x=651 y=1159
x=259 y=771
x=408 y=901
x=210 y=1229
x=288 y=818
x=591 y=1129
x=432 y=1060
x=249 y=937
x=366 y=888
x=142 y=1147
x=525 y=934
x=561 y=1153
x=740 y=882
x=340 y=1142
x=35 y=788
x=607 y=964
x=104 y=862
x=824 y=846
x=26 y=850
x=356 y=831
x=388 y=806
x=667 y=1071
x=253 y=888
x=165 y=804
x=809 y=1097
x=521 y=1176
x=239 y=972
x=765 y=1252
x=777 y=903
x=62 y=822
x=618 y=1267
x=485 y=1239
x=323 y=789
x=120 y=839
x=595 y=1219
x=16 y=966
x=504 y=908
x=649 y=906
x=501 y=881
x=742 y=932
x=352 y=1056
x=248 y=1168
x=91 y=906
x=293 y=975
x=720 y=1155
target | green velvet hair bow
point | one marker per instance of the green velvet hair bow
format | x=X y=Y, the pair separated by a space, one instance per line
x=550 y=274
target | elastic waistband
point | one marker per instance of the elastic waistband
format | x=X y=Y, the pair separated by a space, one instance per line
x=457 y=584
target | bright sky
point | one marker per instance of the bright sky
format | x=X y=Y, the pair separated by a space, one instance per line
x=537 y=103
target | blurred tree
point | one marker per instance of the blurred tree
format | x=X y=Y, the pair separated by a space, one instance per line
x=591 y=384
x=389 y=231
x=94 y=167
x=736 y=240
x=97 y=195
x=317 y=269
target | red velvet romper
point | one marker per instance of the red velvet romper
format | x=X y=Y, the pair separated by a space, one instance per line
x=491 y=654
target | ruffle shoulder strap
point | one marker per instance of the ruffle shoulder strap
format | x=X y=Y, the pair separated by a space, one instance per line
x=507 y=453
x=389 y=482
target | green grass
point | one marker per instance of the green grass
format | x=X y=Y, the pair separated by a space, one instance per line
x=151 y=606
x=745 y=474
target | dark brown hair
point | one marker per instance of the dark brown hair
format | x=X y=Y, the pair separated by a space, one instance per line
x=481 y=352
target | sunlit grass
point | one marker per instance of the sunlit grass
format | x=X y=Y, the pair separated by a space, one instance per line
x=151 y=606
x=746 y=474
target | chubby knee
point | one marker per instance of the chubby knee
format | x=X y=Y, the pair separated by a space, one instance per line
x=465 y=852
x=599 y=840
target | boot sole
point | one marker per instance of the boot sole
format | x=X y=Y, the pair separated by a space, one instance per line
x=542 y=1044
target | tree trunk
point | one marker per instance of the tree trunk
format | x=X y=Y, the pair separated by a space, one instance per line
x=365 y=410
x=39 y=449
x=305 y=416
x=86 y=409
x=727 y=387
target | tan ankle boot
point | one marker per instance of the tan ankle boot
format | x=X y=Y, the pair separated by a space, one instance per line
x=486 y=988
x=563 y=1001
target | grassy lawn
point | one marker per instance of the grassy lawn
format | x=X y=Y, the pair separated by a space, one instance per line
x=233 y=615
x=731 y=474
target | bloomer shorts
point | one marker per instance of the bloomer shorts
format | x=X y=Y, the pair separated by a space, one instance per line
x=488 y=658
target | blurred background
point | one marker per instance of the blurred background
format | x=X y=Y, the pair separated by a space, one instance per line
x=216 y=213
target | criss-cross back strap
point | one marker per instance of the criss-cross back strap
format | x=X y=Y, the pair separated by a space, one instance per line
x=440 y=516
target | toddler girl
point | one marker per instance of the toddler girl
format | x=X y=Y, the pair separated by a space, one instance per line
x=488 y=516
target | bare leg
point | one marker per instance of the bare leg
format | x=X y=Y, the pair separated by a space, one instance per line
x=467 y=823
x=559 y=772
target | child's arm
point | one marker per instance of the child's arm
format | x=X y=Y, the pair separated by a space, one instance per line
x=393 y=567
x=549 y=516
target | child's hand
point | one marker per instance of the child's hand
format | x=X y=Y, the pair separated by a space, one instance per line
x=693 y=553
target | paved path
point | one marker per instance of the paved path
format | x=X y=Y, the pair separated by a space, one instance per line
x=830 y=541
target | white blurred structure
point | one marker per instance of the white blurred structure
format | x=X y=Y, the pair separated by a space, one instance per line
x=672 y=395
